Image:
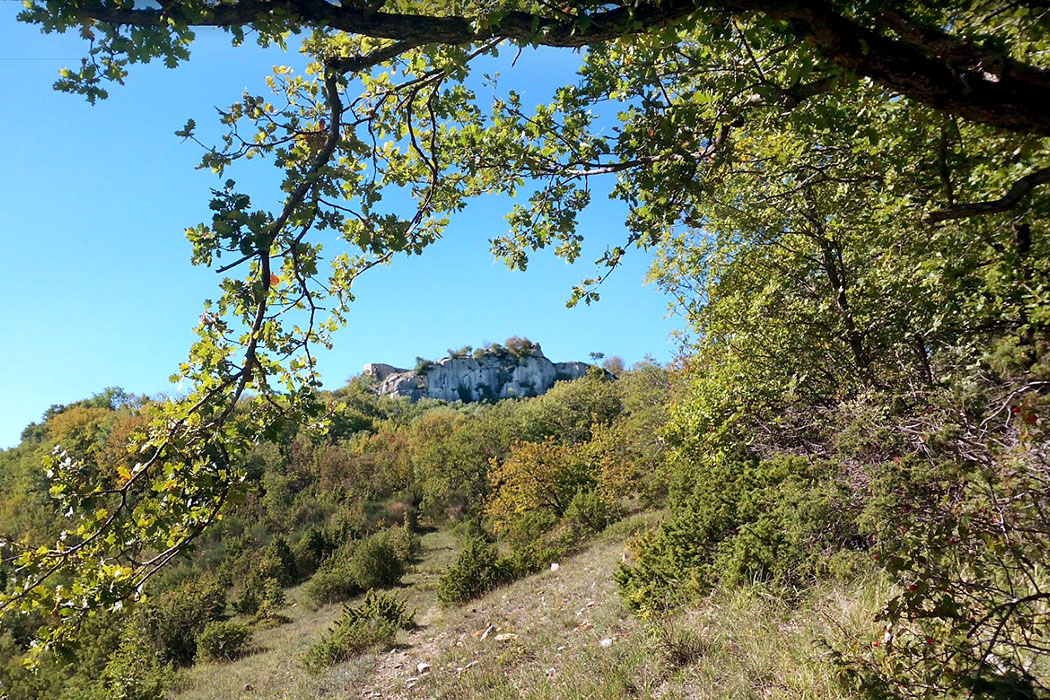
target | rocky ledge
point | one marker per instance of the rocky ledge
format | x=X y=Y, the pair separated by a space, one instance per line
x=487 y=374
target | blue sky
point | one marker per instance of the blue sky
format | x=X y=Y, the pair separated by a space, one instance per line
x=97 y=286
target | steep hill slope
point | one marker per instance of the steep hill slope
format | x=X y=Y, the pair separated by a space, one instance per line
x=563 y=634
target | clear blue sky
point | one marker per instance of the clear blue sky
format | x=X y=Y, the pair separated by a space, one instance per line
x=97 y=286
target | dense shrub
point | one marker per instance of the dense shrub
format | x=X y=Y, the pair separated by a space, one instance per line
x=309 y=551
x=376 y=621
x=133 y=673
x=536 y=476
x=247 y=603
x=528 y=559
x=278 y=562
x=171 y=624
x=569 y=412
x=261 y=596
x=540 y=553
x=406 y=543
x=272 y=600
x=476 y=571
x=741 y=520
x=357 y=566
x=521 y=528
x=335 y=580
x=375 y=564
x=223 y=641
x=963 y=530
x=521 y=347
x=592 y=511
x=450 y=456
x=18 y=682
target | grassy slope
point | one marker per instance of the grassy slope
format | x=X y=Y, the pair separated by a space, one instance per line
x=746 y=644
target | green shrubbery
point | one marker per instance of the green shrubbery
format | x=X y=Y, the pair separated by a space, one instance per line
x=278 y=562
x=334 y=580
x=360 y=565
x=309 y=551
x=592 y=511
x=738 y=520
x=170 y=625
x=375 y=564
x=539 y=554
x=223 y=641
x=475 y=572
x=406 y=543
x=376 y=621
x=521 y=347
x=423 y=365
x=262 y=597
x=133 y=673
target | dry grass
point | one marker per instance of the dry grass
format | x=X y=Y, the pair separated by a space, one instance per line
x=273 y=672
x=744 y=644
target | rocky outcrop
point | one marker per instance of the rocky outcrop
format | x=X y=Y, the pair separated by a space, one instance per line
x=487 y=375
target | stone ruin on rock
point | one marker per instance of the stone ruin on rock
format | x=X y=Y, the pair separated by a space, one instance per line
x=491 y=373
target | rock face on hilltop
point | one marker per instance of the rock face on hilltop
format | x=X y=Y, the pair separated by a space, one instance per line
x=488 y=374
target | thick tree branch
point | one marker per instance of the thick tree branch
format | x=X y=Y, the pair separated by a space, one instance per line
x=1018 y=191
x=422 y=29
x=923 y=63
x=948 y=73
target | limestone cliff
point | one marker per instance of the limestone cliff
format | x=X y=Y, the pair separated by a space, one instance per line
x=488 y=374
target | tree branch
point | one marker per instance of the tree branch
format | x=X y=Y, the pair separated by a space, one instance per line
x=925 y=64
x=929 y=66
x=422 y=29
x=1018 y=191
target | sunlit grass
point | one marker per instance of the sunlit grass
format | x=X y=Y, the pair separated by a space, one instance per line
x=574 y=639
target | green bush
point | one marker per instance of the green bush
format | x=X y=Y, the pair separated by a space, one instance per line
x=262 y=596
x=739 y=520
x=309 y=551
x=406 y=543
x=540 y=553
x=271 y=601
x=376 y=621
x=375 y=564
x=334 y=580
x=278 y=562
x=223 y=641
x=592 y=511
x=521 y=347
x=520 y=528
x=356 y=566
x=171 y=624
x=133 y=673
x=19 y=683
x=476 y=571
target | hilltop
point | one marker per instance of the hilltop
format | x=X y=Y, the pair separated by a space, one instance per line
x=513 y=370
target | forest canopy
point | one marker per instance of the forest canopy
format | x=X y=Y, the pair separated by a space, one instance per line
x=847 y=201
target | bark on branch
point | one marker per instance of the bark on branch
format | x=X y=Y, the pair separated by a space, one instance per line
x=925 y=64
x=1018 y=191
